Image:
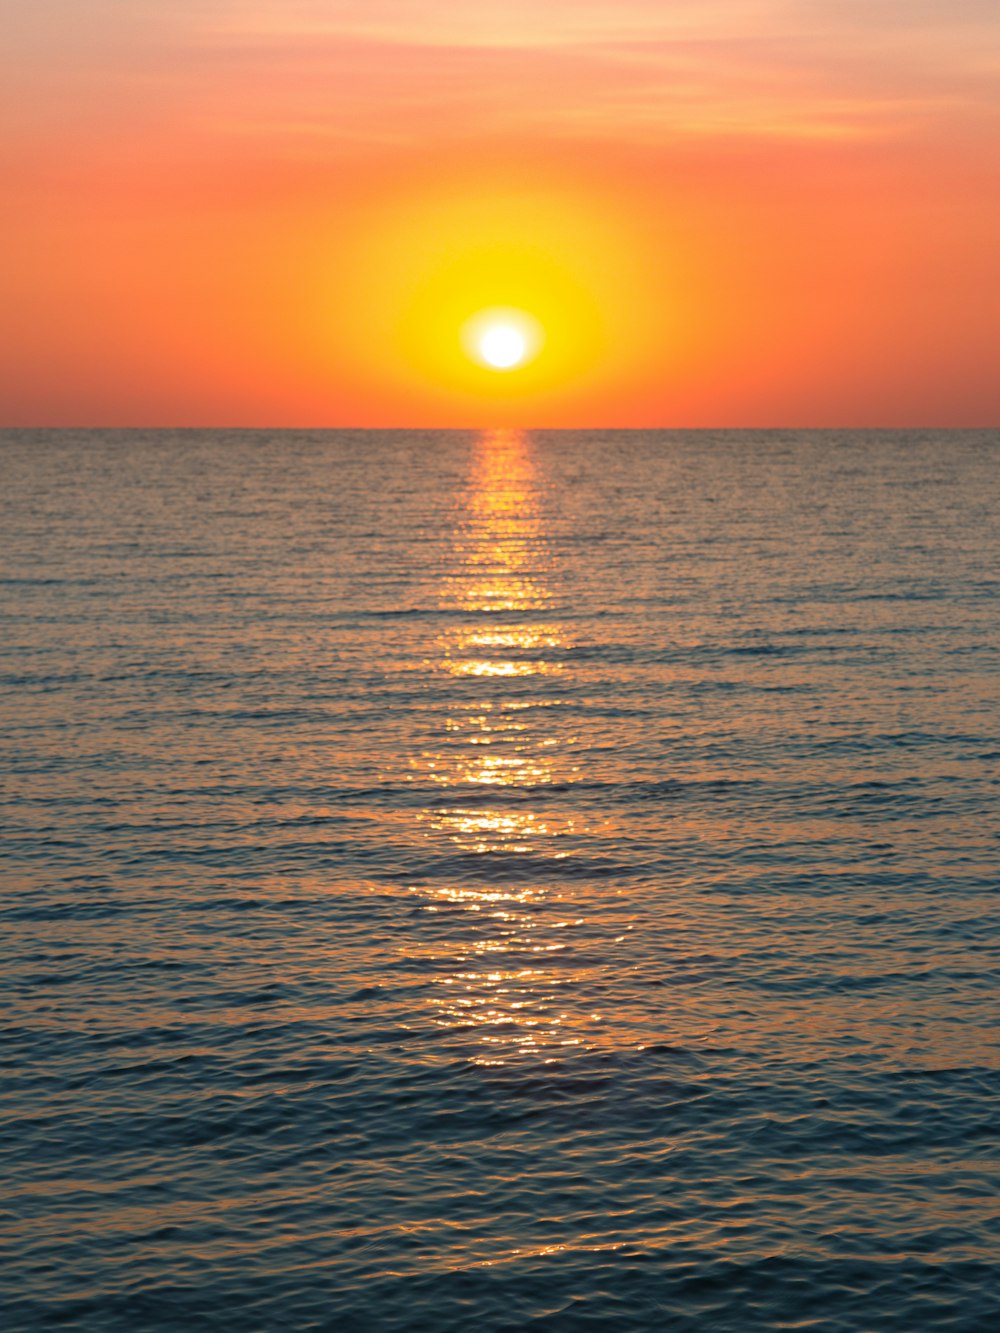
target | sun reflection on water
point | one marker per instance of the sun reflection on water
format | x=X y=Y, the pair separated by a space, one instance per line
x=504 y=926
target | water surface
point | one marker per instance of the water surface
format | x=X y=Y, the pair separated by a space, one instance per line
x=499 y=880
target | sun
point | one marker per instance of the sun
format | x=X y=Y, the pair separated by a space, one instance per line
x=502 y=338
x=502 y=346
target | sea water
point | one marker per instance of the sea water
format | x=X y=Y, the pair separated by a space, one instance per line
x=499 y=880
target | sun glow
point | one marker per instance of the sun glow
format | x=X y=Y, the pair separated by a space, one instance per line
x=498 y=303
x=502 y=347
x=502 y=339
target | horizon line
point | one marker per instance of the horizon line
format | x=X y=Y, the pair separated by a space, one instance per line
x=458 y=430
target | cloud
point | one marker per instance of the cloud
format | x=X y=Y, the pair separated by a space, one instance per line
x=340 y=74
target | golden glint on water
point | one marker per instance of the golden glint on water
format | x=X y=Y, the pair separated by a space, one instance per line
x=501 y=990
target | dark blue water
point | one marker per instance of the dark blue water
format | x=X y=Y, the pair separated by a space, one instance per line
x=491 y=882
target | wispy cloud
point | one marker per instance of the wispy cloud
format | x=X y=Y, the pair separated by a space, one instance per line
x=351 y=72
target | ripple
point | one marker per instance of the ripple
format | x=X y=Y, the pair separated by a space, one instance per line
x=499 y=881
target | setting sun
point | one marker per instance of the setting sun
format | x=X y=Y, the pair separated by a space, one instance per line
x=502 y=347
x=502 y=339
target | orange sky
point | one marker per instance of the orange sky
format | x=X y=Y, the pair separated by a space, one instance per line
x=281 y=212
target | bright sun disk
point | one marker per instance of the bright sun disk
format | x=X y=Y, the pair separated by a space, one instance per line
x=502 y=338
x=502 y=346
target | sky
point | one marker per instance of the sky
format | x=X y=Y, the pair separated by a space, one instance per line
x=286 y=212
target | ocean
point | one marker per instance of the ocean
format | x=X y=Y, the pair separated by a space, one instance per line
x=500 y=880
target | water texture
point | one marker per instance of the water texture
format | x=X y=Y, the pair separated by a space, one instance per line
x=499 y=881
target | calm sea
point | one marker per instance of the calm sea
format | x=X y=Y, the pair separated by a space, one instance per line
x=500 y=881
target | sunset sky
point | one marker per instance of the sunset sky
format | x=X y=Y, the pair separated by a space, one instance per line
x=286 y=212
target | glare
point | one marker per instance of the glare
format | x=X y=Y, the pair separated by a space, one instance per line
x=502 y=346
x=502 y=338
